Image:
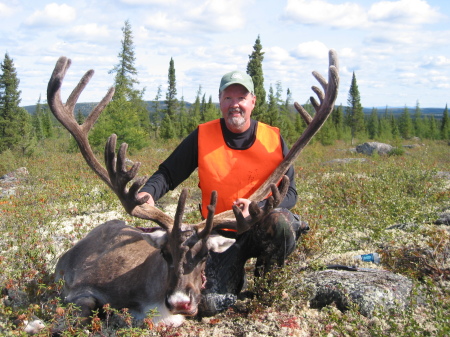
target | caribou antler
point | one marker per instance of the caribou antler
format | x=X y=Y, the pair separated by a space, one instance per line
x=116 y=176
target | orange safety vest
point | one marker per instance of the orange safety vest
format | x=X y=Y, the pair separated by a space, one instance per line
x=234 y=173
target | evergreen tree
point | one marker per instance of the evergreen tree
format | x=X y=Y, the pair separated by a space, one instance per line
x=203 y=109
x=405 y=124
x=126 y=115
x=372 y=125
x=211 y=112
x=394 y=127
x=79 y=117
x=27 y=142
x=445 y=126
x=194 y=114
x=355 y=111
x=433 y=131
x=337 y=119
x=287 y=127
x=167 y=129
x=254 y=69
x=171 y=95
x=183 y=122
x=385 y=129
x=125 y=71
x=168 y=124
x=418 y=121
x=37 y=120
x=47 y=122
x=155 y=116
x=10 y=113
x=272 y=115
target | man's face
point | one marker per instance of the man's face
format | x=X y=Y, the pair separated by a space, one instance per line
x=237 y=104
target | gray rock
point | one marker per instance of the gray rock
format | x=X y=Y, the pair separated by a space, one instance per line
x=371 y=147
x=368 y=290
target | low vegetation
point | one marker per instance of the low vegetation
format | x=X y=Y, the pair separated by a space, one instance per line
x=384 y=204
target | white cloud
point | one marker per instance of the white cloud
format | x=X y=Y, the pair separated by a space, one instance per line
x=52 y=15
x=436 y=61
x=5 y=10
x=395 y=14
x=409 y=12
x=90 y=31
x=311 y=49
x=319 y=12
x=189 y=16
x=166 y=22
x=217 y=13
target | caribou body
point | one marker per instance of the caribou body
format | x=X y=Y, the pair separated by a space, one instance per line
x=164 y=269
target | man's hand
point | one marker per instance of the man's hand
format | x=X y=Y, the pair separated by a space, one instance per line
x=150 y=200
x=243 y=204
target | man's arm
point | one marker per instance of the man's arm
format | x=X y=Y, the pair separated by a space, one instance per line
x=174 y=170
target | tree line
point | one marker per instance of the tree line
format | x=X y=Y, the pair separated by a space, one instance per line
x=130 y=118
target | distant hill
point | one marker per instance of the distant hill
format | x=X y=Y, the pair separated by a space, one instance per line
x=86 y=108
x=436 y=112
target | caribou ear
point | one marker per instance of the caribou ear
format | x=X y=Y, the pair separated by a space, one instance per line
x=157 y=238
x=219 y=243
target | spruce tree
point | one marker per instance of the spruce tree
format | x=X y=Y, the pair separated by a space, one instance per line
x=254 y=69
x=155 y=115
x=418 y=121
x=405 y=124
x=37 y=120
x=287 y=123
x=183 y=120
x=445 y=126
x=194 y=113
x=171 y=95
x=10 y=112
x=355 y=110
x=126 y=115
x=211 y=111
x=125 y=70
x=372 y=124
x=337 y=119
x=271 y=117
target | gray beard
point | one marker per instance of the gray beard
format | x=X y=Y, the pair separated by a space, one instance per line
x=237 y=122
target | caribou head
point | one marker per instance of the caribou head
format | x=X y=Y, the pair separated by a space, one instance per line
x=128 y=268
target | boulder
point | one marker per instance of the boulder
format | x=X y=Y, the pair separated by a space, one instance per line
x=371 y=147
x=368 y=290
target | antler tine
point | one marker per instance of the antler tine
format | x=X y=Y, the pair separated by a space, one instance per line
x=209 y=219
x=305 y=115
x=180 y=211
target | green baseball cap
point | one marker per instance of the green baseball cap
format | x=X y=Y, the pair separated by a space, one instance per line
x=237 y=77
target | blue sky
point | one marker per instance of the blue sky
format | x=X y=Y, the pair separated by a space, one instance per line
x=399 y=50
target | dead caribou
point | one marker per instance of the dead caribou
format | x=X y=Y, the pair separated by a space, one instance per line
x=127 y=268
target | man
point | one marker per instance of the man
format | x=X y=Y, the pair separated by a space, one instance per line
x=234 y=156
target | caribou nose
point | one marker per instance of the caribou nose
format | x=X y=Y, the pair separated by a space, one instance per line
x=179 y=303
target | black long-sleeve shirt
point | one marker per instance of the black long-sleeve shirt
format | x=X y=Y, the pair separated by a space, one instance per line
x=184 y=160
